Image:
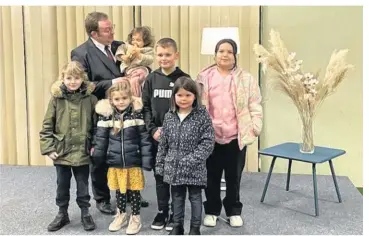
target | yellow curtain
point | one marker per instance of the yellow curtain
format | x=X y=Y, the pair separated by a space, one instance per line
x=13 y=105
x=36 y=41
x=184 y=24
x=30 y=63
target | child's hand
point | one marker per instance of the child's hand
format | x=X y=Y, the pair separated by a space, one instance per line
x=125 y=58
x=53 y=155
x=128 y=53
x=135 y=51
x=92 y=151
x=157 y=134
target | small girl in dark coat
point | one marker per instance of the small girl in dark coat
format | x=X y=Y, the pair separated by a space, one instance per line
x=122 y=142
x=186 y=142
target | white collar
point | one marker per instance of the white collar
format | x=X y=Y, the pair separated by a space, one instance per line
x=100 y=45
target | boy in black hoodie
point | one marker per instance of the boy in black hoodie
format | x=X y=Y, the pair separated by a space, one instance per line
x=156 y=95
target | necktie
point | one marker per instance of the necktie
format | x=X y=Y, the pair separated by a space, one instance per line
x=110 y=56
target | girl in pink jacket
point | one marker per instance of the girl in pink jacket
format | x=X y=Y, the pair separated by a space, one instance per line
x=232 y=97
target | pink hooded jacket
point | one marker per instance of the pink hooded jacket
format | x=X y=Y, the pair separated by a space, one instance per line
x=247 y=99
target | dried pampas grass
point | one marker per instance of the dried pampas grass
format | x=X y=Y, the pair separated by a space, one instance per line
x=305 y=90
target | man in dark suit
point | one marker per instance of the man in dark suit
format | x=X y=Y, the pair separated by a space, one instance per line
x=97 y=57
x=97 y=53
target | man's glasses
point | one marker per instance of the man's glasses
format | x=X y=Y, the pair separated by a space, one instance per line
x=108 y=29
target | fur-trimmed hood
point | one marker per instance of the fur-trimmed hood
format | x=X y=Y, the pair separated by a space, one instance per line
x=57 y=88
x=104 y=108
x=69 y=115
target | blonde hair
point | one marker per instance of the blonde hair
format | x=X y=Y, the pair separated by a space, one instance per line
x=73 y=68
x=124 y=87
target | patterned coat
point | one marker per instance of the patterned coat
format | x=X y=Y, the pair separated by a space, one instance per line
x=247 y=98
x=184 y=147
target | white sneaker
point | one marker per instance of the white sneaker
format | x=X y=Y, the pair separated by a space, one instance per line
x=235 y=221
x=210 y=220
x=119 y=222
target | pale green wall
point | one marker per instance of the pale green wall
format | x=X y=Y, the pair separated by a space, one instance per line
x=313 y=33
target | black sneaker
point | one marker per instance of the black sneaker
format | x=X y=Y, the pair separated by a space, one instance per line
x=159 y=221
x=170 y=223
x=60 y=220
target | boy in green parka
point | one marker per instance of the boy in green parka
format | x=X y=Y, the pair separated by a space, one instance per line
x=65 y=138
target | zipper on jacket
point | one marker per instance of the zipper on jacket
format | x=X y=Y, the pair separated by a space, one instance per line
x=122 y=138
x=178 y=141
x=177 y=161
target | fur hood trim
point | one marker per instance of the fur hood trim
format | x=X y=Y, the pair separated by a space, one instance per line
x=104 y=108
x=56 y=88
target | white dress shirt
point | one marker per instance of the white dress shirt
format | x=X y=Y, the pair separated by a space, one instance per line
x=101 y=47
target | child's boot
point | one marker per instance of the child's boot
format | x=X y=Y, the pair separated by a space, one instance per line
x=120 y=220
x=87 y=221
x=177 y=230
x=134 y=224
x=194 y=230
x=60 y=220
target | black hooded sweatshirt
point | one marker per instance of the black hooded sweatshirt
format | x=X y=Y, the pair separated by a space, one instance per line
x=156 y=95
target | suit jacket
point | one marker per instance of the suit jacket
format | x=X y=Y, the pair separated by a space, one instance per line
x=99 y=68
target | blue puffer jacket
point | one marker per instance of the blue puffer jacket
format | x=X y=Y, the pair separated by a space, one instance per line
x=122 y=146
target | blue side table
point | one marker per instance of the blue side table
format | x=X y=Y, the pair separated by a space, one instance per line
x=291 y=151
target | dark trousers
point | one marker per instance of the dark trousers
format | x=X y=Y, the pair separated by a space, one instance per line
x=99 y=179
x=162 y=188
x=179 y=197
x=231 y=159
x=162 y=193
x=63 y=177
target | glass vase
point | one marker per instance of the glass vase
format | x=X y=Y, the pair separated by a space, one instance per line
x=307 y=145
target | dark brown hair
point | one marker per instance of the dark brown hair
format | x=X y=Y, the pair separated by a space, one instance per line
x=234 y=47
x=147 y=37
x=92 y=21
x=189 y=85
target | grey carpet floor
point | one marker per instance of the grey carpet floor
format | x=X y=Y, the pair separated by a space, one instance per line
x=27 y=196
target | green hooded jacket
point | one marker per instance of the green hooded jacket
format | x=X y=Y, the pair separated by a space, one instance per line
x=69 y=124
